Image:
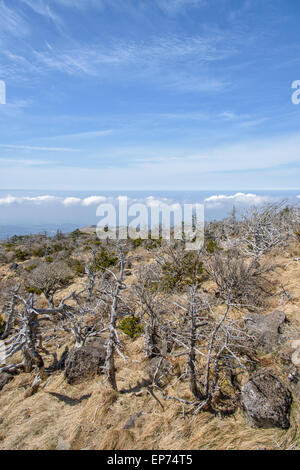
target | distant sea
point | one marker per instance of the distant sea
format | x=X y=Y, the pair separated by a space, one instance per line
x=26 y=212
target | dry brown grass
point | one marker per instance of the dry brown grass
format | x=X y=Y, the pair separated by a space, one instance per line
x=91 y=416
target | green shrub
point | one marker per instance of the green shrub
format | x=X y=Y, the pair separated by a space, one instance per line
x=76 y=266
x=137 y=242
x=104 y=260
x=57 y=247
x=9 y=246
x=76 y=234
x=39 y=252
x=33 y=290
x=49 y=259
x=151 y=244
x=30 y=268
x=176 y=276
x=211 y=246
x=22 y=255
x=132 y=327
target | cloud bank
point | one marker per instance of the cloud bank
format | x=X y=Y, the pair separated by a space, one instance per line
x=211 y=202
x=221 y=200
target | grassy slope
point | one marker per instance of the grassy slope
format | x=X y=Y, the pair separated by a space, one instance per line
x=91 y=416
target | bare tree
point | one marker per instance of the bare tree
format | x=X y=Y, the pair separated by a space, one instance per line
x=49 y=278
x=246 y=279
x=151 y=305
x=82 y=319
x=263 y=229
x=11 y=313
x=28 y=338
x=212 y=344
x=112 y=289
x=91 y=281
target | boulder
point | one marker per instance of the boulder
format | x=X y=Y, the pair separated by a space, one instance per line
x=266 y=401
x=295 y=344
x=265 y=330
x=14 y=266
x=85 y=362
x=296 y=358
x=4 y=379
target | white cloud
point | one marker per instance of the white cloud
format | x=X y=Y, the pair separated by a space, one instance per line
x=89 y=201
x=71 y=201
x=152 y=202
x=43 y=149
x=67 y=202
x=261 y=163
x=42 y=8
x=30 y=162
x=85 y=135
x=175 y=6
x=168 y=6
x=220 y=200
x=12 y=22
x=148 y=57
x=9 y=199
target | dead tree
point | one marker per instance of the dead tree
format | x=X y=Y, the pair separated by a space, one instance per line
x=49 y=278
x=212 y=345
x=11 y=314
x=82 y=319
x=189 y=328
x=27 y=338
x=111 y=290
x=247 y=280
x=150 y=307
x=263 y=229
x=91 y=281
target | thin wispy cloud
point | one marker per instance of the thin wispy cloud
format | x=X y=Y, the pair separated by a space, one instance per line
x=114 y=92
x=22 y=162
x=207 y=48
x=11 y=21
x=168 y=6
x=86 y=135
x=42 y=8
x=36 y=148
x=176 y=6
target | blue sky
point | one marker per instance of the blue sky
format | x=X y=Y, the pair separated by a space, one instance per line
x=149 y=94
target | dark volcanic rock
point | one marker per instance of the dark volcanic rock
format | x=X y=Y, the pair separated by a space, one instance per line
x=85 y=362
x=4 y=379
x=14 y=266
x=265 y=330
x=266 y=401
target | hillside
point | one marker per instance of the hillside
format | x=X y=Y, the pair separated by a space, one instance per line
x=146 y=412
